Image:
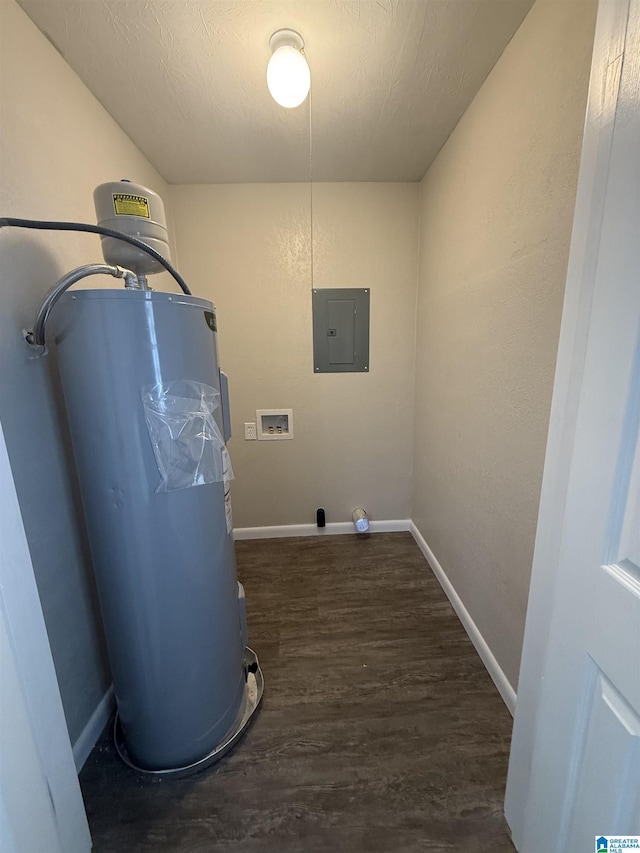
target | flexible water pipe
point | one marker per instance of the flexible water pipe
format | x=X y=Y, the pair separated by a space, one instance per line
x=36 y=337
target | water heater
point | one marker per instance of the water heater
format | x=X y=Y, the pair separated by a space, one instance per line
x=148 y=412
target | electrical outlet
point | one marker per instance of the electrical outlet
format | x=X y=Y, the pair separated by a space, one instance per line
x=249 y=432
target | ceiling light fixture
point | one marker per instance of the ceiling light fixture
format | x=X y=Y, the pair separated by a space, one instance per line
x=288 y=75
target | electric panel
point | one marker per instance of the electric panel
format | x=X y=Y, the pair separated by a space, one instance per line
x=341 y=330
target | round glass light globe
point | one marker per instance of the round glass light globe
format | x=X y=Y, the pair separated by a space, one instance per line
x=288 y=77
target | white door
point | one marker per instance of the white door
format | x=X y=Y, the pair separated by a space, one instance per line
x=41 y=809
x=574 y=772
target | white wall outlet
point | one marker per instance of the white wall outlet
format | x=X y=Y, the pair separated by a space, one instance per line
x=249 y=432
x=274 y=424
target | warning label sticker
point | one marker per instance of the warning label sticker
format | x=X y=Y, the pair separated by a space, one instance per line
x=131 y=205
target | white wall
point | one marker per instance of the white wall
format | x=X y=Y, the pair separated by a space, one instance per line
x=247 y=247
x=496 y=212
x=56 y=144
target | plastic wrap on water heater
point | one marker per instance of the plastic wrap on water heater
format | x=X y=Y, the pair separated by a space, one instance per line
x=164 y=560
x=187 y=442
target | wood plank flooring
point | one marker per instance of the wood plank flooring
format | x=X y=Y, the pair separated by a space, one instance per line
x=380 y=729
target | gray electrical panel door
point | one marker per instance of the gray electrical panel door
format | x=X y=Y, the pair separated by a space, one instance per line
x=341 y=330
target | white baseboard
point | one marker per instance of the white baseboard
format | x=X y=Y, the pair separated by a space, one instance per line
x=336 y=529
x=482 y=647
x=92 y=731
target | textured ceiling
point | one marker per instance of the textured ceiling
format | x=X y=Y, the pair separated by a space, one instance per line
x=186 y=80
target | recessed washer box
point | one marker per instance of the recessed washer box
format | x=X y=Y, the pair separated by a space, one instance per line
x=274 y=424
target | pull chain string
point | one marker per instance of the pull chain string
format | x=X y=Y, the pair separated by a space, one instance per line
x=311 y=187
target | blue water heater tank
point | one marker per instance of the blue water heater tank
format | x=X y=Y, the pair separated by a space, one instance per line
x=160 y=533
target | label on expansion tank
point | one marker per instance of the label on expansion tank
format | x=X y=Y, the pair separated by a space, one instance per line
x=126 y=204
x=210 y=317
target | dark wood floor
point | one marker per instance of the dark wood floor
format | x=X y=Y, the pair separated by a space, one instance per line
x=380 y=729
